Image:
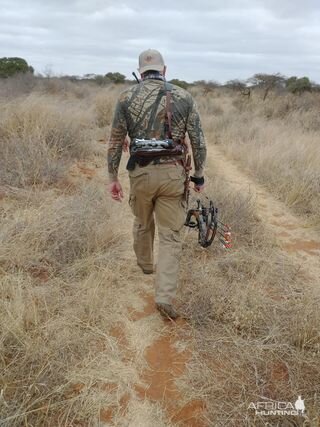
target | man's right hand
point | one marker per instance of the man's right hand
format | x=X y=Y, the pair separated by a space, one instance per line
x=115 y=190
x=198 y=183
x=198 y=188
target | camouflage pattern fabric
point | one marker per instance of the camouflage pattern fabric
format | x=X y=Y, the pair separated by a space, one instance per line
x=140 y=113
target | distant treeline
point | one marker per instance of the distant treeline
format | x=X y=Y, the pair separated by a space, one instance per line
x=263 y=81
x=12 y=66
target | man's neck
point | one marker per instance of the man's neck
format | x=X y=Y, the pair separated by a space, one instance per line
x=153 y=76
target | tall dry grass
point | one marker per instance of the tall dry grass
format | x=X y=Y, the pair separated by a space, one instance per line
x=65 y=301
x=44 y=132
x=277 y=140
x=254 y=323
x=40 y=137
x=60 y=294
x=61 y=284
x=254 y=315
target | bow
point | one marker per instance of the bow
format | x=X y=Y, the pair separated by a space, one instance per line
x=205 y=218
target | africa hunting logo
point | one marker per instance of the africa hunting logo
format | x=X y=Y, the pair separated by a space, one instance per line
x=278 y=408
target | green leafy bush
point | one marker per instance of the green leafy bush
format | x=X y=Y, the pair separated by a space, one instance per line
x=11 y=66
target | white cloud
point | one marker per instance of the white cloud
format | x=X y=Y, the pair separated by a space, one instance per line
x=207 y=39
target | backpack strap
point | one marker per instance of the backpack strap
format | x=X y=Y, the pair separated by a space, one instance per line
x=153 y=114
x=168 y=117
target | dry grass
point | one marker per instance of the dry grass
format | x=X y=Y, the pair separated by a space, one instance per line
x=59 y=289
x=254 y=322
x=104 y=105
x=61 y=269
x=40 y=138
x=255 y=333
x=43 y=133
x=69 y=353
x=277 y=140
x=65 y=335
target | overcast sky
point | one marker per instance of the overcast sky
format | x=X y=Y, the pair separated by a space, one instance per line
x=201 y=39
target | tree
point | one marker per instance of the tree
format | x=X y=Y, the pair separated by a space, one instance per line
x=267 y=82
x=11 y=66
x=211 y=84
x=115 y=77
x=239 y=86
x=235 y=84
x=208 y=86
x=298 y=85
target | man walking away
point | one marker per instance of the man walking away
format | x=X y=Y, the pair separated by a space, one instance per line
x=156 y=116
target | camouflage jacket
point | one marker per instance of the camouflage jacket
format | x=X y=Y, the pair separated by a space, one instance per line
x=140 y=113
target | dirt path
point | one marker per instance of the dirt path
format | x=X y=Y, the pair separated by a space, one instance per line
x=293 y=236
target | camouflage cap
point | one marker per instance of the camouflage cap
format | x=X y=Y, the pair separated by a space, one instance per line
x=150 y=59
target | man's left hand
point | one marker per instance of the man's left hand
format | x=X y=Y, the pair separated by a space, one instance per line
x=125 y=145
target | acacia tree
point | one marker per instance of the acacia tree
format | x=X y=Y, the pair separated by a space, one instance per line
x=235 y=84
x=267 y=82
x=12 y=66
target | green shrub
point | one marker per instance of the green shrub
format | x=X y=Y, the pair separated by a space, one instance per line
x=11 y=66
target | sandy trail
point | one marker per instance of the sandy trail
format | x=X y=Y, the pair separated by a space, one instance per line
x=297 y=239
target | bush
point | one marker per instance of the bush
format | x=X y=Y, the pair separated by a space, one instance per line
x=11 y=66
x=298 y=85
x=115 y=77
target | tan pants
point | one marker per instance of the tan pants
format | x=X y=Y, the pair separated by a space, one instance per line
x=158 y=189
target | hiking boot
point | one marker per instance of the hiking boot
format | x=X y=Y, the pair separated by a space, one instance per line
x=167 y=311
x=146 y=270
